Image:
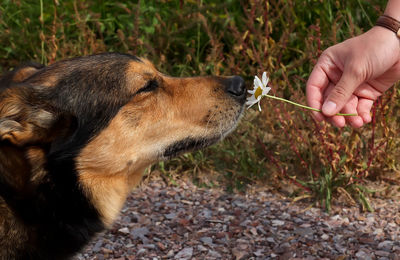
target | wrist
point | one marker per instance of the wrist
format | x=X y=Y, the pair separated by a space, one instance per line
x=390 y=25
x=387 y=37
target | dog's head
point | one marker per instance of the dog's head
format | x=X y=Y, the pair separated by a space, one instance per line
x=113 y=115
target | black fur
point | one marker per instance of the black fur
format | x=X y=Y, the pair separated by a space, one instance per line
x=187 y=144
x=57 y=209
x=100 y=80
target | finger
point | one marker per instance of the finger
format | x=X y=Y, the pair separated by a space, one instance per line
x=364 y=109
x=351 y=108
x=366 y=90
x=352 y=77
x=337 y=121
x=328 y=90
x=315 y=88
x=319 y=116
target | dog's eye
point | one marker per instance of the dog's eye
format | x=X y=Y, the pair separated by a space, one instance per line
x=150 y=86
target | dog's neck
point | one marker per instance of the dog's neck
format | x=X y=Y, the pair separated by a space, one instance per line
x=56 y=206
x=108 y=192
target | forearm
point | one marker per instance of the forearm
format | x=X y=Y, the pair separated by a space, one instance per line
x=393 y=9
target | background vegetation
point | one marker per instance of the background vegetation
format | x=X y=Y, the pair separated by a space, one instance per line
x=282 y=144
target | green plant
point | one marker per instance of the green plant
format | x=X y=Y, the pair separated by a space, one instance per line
x=188 y=37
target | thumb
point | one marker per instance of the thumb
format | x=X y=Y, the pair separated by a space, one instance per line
x=341 y=93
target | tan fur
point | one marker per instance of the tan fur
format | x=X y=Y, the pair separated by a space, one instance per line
x=37 y=160
x=111 y=166
x=45 y=80
x=23 y=74
x=108 y=193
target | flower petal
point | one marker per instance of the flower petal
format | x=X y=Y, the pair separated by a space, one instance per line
x=257 y=82
x=251 y=103
x=265 y=79
x=265 y=91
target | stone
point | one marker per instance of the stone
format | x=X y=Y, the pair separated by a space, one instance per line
x=138 y=232
x=202 y=248
x=382 y=253
x=305 y=232
x=270 y=240
x=207 y=241
x=214 y=254
x=141 y=251
x=386 y=245
x=170 y=216
x=185 y=253
x=325 y=237
x=277 y=222
x=362 y=255
x=97 y=246
x=124 y=230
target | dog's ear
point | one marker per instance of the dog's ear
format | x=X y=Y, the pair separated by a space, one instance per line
x=19 y=74
x=25 y=71
x=25 y=120
x=21 y=130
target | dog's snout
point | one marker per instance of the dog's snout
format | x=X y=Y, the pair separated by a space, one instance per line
x=236 y=87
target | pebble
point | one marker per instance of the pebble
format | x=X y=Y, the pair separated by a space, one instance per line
x=141 y=251
x=378 y=232
x=382 y=253
x=170 y=216
x=386 y=245
x=207 y=241
x=304 y=232
x=214 y=254
x=277 y=222
x=325 y=237
x=361 y=255
x=124 y=230
x=202 y=248
x=186 y=253
x=97 y=246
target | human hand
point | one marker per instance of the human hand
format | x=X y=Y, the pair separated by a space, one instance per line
x=351 y=75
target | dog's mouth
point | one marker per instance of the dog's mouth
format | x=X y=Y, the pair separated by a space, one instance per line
x=188 y=144
x=195 y=143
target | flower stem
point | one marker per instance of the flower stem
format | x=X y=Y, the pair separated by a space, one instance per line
x=303 y=106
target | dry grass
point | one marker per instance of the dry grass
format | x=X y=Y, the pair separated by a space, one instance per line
x=282 y=144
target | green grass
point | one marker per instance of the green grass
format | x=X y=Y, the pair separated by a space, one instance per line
x=183 y=38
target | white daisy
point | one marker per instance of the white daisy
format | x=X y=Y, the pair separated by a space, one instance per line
x=260 y=89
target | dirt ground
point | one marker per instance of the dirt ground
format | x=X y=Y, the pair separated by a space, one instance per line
x=187 y=222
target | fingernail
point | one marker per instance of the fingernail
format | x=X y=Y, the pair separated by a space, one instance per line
x=329 y=108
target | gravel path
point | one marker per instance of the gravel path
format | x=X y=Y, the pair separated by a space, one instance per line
x=186 y=222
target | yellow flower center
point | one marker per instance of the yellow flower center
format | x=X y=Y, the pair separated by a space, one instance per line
x=258 y=92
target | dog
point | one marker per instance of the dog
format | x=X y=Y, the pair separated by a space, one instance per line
x=76 y=136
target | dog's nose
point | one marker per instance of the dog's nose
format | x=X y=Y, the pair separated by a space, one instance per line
x=236 y=86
